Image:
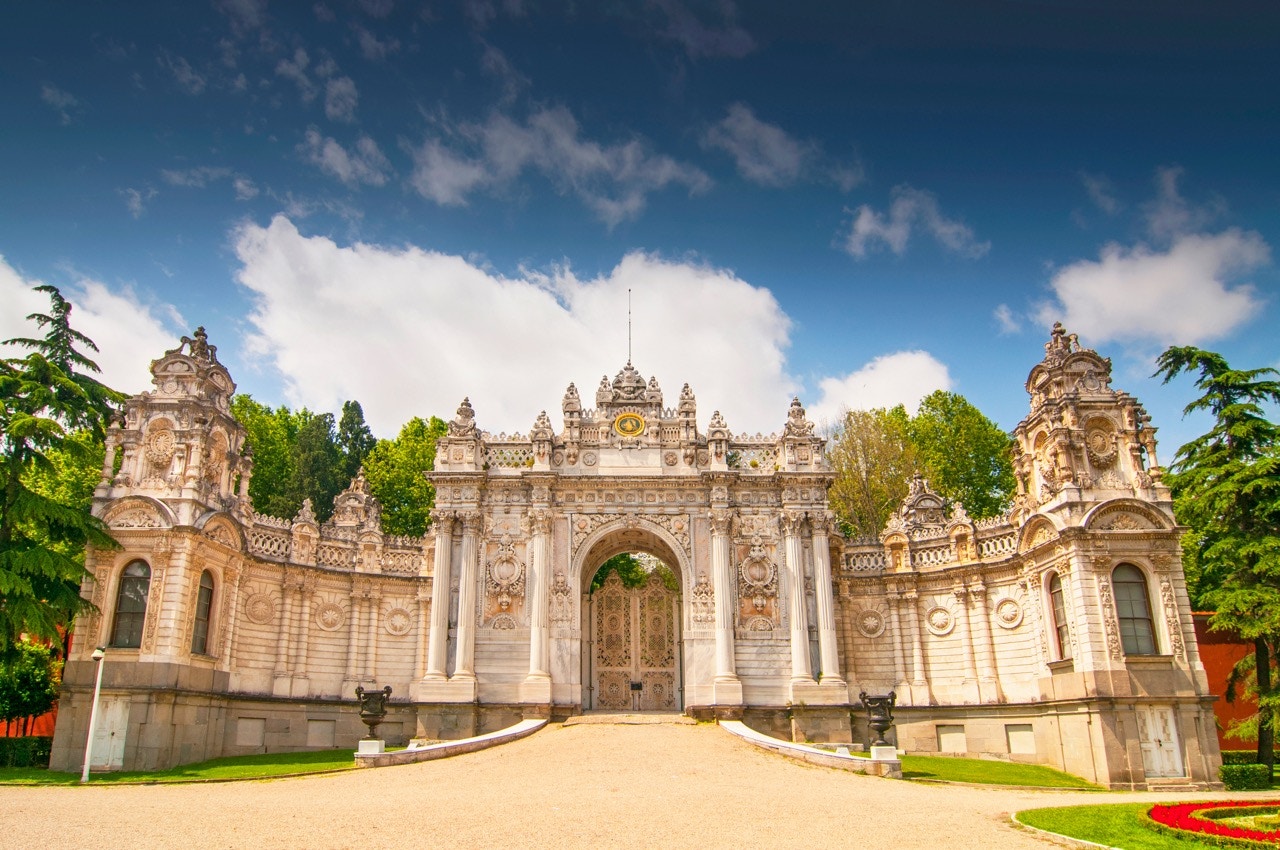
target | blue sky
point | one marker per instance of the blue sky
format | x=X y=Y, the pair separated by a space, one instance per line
x=405 y=202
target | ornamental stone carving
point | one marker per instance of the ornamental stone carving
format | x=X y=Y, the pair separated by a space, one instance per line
x=871 y=623
x=398 y=622
x=939 y=621
x=1008 y=613
x=330 y=616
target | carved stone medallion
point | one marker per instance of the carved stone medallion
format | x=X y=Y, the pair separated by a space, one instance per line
x=939 y=621
x=260 y=609
x=330 y=617
x=1008 y=614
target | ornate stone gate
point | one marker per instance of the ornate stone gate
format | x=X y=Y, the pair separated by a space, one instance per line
x=635 y=655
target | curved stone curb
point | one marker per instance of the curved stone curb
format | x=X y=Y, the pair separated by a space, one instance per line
x=451 y=748
x=813 y=755
x=1059 y=837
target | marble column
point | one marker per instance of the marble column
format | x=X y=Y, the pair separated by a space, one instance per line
x=371 y=646
x=970 y=687
x=468 y=577
x=539 y=595
x=438 y=647
x=722 y=569
x=286 y=626
x=353 y=640
x=895 y=623
x=828 y=656
x=801 y=669
x=988 y=681
x=424 y=627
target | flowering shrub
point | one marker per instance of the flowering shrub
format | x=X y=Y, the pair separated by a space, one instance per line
x=1202 y=818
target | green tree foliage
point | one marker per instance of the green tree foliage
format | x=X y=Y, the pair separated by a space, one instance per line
x=29 y=683
x=395 y=470
x=874 y=460
x=355 y=440
x=295 y=457
x=964 y=455
x=47 y=395
x=1226 y=489
x=634 y=571
x=874 y=453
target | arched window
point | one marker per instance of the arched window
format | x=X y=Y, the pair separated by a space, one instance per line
x=131 y=605
x=204 y=601
x=1061 y=633
x=1133 y=608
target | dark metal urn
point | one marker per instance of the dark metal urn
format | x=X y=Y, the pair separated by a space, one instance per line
x=373 y=708
x=879 y=714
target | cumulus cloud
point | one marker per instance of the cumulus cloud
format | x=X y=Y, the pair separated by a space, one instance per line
x=613 y=180
x=410 y=332
x=373 y=48
x=340 y=99
x=1183 y=295
x=904 y=377
x=496 y=64
x=244 y=15
x=911 y=208
x=205 y=175
x=62 y=102
x=365 y=163
x=719 y=38
x=296 y=69
x=129 y=333
x=766 y=154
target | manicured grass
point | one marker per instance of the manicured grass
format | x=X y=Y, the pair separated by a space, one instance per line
x=988 y=772
x=1115 y=825
x=261 y=766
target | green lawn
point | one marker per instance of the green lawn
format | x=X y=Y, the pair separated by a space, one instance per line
x=261 y=766
x=988 y=772
x=1116 y=825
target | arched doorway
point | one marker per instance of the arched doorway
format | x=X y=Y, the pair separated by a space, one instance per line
x=633 y=627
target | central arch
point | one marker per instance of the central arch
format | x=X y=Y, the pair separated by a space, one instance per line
x=632 y=637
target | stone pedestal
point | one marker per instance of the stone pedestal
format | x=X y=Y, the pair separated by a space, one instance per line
x=728 y=692
x=457 y=689
x=815 y=693
x=536 y=690
x=884 y=753
x=371 y=746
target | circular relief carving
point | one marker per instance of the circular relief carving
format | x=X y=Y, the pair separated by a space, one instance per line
x=757 y=572
x=670 y=458
x=1101 y=449
x=398 y=622
x=330 y=617
x=504 y=571
x=939 y=621
x=629 y=424
x=504 y=622
x=870 y=623
x=159 y=445
x=170 y=386
x=1008 y=613
x=589 y=459
x=260 y=609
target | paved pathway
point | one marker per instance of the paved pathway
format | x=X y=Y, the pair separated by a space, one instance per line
x=580 y=785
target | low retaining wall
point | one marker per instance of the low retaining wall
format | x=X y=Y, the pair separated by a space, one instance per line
x=813 y=755
x=451 y=748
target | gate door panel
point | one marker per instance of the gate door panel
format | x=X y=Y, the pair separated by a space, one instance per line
x=635 y=646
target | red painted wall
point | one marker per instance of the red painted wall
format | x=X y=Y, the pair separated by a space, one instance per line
x=1219 y=651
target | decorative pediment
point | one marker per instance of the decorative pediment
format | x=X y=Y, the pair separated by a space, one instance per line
x=138 y=512
x=1036 y=532
x=1126 y=516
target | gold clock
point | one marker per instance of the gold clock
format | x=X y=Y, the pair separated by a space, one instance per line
x=629 y=424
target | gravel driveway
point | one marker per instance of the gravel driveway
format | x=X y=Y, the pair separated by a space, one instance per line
x=585 y=785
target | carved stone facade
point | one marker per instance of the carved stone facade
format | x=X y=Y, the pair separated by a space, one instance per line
x=1019 y=630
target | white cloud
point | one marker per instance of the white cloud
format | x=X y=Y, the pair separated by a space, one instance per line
x=904 y=377
x=137 y=199
x=410 y=332
x=364 y=164
x=245 y=188
x=244 y=15
x=195 y=178
x=180 y=70
x=910 y=208
x=768 y=155
x=373 y=48
x=296 y=70
x=1101 y=192
x=496 y=64
x=1170 y=215
x=340 y=99
x=1008 y=322
x=612 y=180
x=63 y=102
x=1179 y=296
x=127 y=331
x=725 y=39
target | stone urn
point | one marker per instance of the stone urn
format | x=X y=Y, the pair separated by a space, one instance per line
x=373 y=710
x=879 y=718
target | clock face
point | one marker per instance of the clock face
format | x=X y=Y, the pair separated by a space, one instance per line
x=629 y=425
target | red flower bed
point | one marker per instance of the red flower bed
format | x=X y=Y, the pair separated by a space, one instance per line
x=1186 y=816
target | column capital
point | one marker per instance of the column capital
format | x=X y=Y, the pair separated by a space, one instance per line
x=721 y=520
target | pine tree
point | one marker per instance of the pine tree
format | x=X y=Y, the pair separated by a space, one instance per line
x=355 y=440
x=46 y=396
x=1226 y=488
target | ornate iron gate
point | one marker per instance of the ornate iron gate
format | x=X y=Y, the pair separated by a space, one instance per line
x=635 y=646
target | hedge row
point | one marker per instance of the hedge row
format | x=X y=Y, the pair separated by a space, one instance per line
x=1240 y=757
x=30 y=751
x=1245 y=777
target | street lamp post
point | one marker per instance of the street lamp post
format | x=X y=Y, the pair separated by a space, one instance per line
x=98 y=655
